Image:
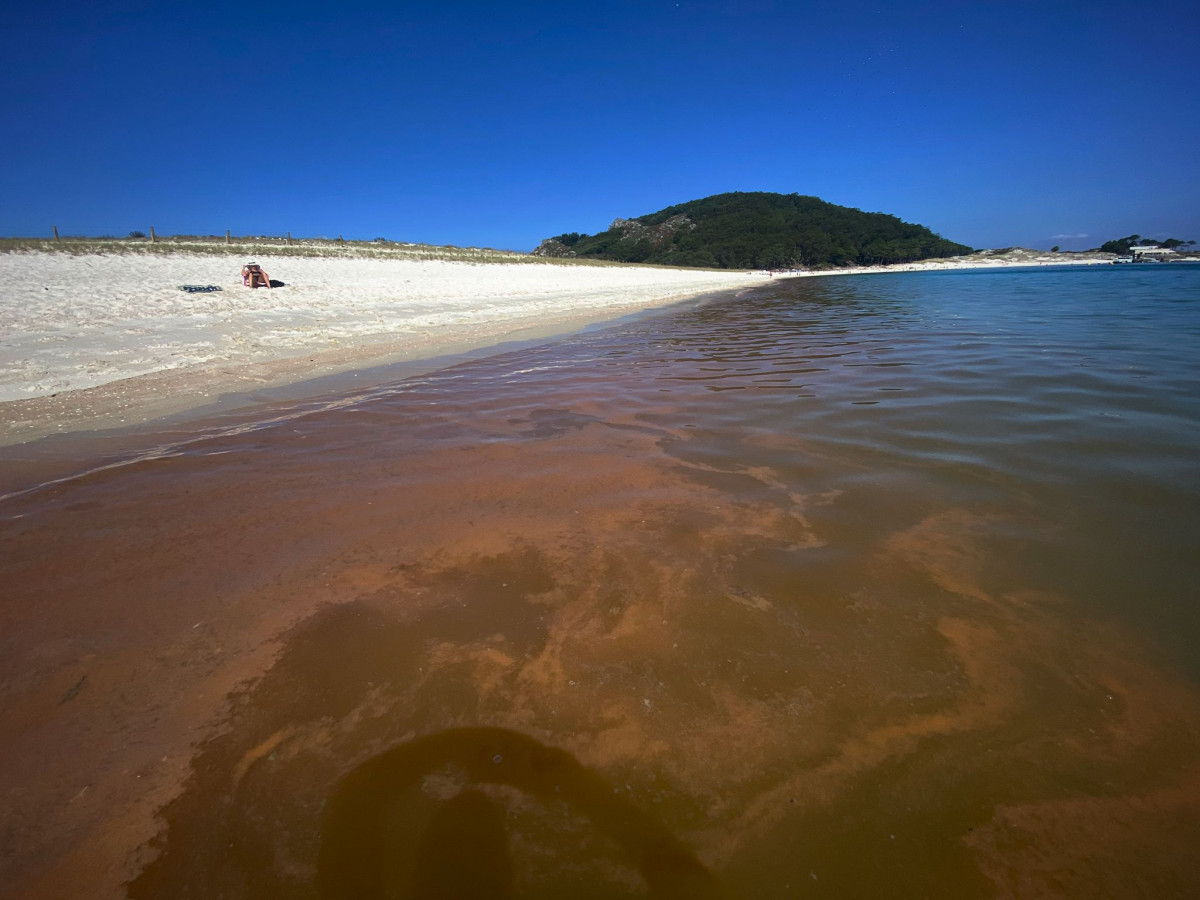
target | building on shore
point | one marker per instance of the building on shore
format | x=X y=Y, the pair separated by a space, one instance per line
x=1151 y=251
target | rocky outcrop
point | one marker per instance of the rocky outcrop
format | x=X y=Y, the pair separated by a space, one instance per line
x=655 y=234
x=554 y=249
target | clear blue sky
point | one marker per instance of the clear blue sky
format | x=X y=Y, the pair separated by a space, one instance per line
x=498 y=124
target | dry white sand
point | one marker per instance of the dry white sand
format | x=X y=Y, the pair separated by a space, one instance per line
x=99 y=340
x=1012 y=258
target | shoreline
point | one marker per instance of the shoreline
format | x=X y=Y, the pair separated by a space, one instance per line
x=1010 y=258
x=195 y=392
x=97 y=341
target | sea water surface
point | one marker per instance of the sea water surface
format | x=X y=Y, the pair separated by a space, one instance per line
x=864 y=586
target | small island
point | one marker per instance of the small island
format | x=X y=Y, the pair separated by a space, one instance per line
x=758 y=230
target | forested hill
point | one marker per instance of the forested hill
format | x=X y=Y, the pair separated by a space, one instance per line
x=757 y=231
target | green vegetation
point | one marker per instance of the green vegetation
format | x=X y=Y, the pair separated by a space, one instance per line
x=758 y=231
x=1121 y=246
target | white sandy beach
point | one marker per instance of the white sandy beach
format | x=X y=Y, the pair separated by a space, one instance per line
x=1011 y=258
x=98 y=340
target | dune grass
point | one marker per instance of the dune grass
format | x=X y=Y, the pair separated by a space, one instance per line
x=250 y=247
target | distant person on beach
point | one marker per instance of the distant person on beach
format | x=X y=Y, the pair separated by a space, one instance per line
x=253 y=276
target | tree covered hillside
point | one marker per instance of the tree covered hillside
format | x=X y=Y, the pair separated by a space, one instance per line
x=757 y=231
x=1121 y=246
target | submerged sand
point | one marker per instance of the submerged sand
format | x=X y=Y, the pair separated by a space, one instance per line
x=548 y=590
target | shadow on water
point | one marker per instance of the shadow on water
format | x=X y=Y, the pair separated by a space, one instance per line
x=464 y=851
x=271 y=811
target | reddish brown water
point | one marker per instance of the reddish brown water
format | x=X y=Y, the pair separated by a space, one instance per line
x=867 y=589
